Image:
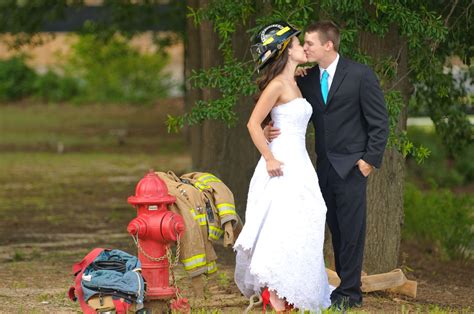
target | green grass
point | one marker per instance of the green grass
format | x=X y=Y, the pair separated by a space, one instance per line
x=44 y=191
x=85 y=187
x=87 y=128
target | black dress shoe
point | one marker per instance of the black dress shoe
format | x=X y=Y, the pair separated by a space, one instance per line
x=344 y=303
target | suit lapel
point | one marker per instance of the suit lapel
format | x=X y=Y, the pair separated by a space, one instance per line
x=336 y=82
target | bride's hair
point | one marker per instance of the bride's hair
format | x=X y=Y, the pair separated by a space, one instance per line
x=274 y=68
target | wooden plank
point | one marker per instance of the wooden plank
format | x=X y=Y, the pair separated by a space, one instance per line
x=384 y=281
x=333 y=278
x=409 y=289
x=394 y=281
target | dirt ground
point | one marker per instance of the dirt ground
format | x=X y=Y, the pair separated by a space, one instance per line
x=36 y=274
x=56 y=207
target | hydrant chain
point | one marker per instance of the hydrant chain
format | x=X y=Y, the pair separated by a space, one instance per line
x=156 y=259
x=167 y=254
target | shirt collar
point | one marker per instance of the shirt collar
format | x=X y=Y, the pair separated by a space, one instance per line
x=331 y=68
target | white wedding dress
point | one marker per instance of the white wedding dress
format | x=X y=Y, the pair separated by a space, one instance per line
x=281 y=244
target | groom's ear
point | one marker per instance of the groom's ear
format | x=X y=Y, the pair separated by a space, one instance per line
x=329 y=45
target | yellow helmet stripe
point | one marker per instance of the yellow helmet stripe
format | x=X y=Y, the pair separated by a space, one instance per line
x=268 y=41
x=283 y=30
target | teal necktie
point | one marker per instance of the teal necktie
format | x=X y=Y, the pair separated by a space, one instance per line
x=324 y=86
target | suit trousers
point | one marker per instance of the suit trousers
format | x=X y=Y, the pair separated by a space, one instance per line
x=346 y=202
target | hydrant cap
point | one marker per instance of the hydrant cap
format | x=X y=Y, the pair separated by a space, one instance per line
x=151 y=190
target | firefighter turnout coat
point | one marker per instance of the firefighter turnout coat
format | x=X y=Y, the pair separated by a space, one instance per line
x=206 y=204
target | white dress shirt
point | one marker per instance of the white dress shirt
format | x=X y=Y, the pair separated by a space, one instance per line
x=331 y=71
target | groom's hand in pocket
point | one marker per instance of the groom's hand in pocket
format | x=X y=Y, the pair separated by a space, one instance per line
x=364 y=167
x=271 y=132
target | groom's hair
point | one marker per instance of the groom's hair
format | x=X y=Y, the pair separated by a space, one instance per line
x=327 y=30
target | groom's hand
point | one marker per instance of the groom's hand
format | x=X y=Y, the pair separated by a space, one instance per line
x=364 y=167
x=301 y=71
x=271 y=132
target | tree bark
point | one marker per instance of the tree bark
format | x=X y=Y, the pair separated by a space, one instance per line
x=226 y=152
x=385 y=188
x=192 y=60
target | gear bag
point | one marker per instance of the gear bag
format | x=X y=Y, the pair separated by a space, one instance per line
x=107 y=280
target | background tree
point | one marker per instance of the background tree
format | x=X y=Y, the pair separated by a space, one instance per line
x=399 y=39
x=406 y=42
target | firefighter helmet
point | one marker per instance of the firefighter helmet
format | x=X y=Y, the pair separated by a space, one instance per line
x=270 y=42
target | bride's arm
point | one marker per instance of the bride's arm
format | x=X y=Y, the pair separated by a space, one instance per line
x=264 y=105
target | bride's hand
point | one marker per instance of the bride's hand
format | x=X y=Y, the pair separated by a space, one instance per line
x=274 y=168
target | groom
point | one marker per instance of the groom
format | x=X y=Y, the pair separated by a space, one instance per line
x=351 y=125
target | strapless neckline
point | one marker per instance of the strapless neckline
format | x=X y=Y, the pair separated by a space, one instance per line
x=291 y=101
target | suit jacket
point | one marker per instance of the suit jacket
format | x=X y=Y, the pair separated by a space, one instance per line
x=353 y=124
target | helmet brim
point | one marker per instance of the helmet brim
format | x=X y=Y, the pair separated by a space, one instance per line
x=262 y=56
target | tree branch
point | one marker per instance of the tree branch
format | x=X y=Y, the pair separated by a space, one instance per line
x=460 y=15
x=446 y=20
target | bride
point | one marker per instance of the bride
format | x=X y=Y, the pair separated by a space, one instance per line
x=280 y=249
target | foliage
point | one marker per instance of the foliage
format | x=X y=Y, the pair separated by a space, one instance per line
x=51 y=87
x=445 y=101
x=397 y=138
x=112 y=71
x=440 y=170
x=16 y=79
x=134 y=81
x=24 y=19
x=130 y=17
x=233 y=78
x=441 y=218
x=433 y=31
x=423 y=25
x=96 y=71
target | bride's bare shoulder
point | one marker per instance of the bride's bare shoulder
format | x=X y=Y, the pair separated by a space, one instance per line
x=276 y=83
x=274 y=87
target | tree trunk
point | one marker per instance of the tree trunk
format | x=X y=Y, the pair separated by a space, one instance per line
x=226 y=152
x=192 y=60
x=385 y=188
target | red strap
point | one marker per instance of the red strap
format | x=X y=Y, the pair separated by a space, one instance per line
x=121 y=307
x=78 y=269
x=71 y=294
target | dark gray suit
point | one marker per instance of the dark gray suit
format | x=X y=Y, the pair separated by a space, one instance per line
x=352 y=125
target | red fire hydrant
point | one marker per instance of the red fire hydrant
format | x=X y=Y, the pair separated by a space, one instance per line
x=155 y=228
